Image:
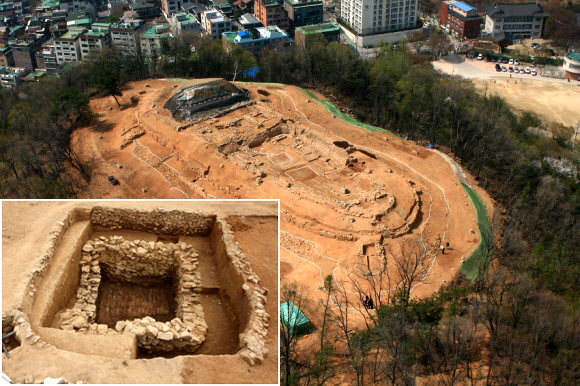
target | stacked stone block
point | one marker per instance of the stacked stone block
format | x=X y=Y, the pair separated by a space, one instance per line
x=141 y=262
x=173 y=222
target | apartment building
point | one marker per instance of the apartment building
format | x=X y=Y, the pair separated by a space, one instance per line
x=6 y=58
x=330 y=30
x=272 y=37
x=303 y=12
x=183 y=22
x=93 y=41
x=125 y=35
x=46 y=57
x=461 y=18
x=169 y=7
x=77 y=5
x=379 y=16
x=514 y=21
x=215 y=23
x=10 y=77
x=68 y=46
x=272 y=12
x=150 y=40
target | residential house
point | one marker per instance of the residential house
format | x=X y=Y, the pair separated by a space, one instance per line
x=303 y=12
x=330 y=30
x=272 y=12
x=215 y=23
x=272 y=37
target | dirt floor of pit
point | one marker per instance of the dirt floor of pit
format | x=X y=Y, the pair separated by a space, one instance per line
x=25 y=227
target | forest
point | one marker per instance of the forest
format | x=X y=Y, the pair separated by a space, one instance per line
x=519 y=319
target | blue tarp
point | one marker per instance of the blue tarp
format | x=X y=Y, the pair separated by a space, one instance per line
x=251 y=72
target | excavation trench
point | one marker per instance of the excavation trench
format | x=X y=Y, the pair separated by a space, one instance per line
x=132 y=284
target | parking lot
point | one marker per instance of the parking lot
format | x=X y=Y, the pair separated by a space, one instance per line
x=551 y=99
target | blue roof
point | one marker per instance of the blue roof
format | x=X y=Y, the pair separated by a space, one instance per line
x=464 y=7
x=243 y=33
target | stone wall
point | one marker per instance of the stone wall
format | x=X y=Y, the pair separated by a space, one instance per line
x=252 y=317
x=144 y=263
x=173 y=222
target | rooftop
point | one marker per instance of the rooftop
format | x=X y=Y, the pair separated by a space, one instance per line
x=72 y=34
x=215 y=16
x=186 y=18
x=463 y=6
x=156 y=31
x=319 y=28
x=248 y=18
x=521 y=9
x=303 y=2
x=50 y=3
x=575 y=56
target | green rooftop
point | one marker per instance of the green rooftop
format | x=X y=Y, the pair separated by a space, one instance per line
x=230 y=36
x=186 y=18
x=72 y=34
x=151 y=33
x=574 y=56
x=319 y=28
x=50 y=3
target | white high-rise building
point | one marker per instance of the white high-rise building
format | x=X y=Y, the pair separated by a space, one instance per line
x=379 y=16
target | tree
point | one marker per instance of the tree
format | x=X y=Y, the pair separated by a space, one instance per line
x=289 y=337
x=105 y=72
x=438 y=44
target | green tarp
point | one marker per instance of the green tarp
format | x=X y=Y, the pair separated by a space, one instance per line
x=293 y=319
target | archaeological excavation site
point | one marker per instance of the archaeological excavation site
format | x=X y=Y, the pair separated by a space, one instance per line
x=351 y=195
x=151 y=288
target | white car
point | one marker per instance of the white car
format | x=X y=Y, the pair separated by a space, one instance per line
x=480 y=57
x=511 y=61
x=516 y=62
x=534 y=73
x=527 y=70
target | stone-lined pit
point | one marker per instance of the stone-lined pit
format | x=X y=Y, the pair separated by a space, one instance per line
x=128 y=283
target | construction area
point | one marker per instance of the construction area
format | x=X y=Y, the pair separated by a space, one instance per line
x=351 y=195
x=140 y=292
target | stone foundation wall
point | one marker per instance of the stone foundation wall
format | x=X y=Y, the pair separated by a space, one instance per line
x=172 y=222
x=252 y=317
x=141 y=262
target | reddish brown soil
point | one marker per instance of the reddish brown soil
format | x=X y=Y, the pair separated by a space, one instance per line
x=196 y=170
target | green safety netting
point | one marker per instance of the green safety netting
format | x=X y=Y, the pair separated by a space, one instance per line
x=293 y=319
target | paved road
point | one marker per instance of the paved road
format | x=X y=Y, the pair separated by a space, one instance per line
x=458 y=65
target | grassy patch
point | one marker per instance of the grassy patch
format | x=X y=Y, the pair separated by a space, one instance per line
x=266 y=84
x=344 y=117
x=470 y=268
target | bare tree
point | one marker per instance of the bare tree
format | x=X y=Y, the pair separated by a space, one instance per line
x=290 y=324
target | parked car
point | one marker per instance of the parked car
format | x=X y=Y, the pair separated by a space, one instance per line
x=511 y=61
x=497 y=67
x=528 y=70
x=517 y=62
x=504 y=60
x=503 y=68
x=480 y=57
x=534 y=73
x=533 y=64
x=113 y=180
x=511 y=69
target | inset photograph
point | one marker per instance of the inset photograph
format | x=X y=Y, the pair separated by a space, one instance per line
x=140 y=291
